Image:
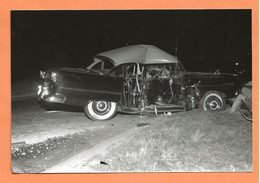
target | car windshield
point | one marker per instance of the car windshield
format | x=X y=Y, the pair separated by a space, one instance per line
x=101 y=65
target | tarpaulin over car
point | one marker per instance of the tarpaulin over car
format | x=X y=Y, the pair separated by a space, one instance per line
x=146 y=54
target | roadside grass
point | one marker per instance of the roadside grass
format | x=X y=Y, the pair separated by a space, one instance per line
x=194 y=141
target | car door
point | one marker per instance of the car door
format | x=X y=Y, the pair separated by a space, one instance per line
x=126 y=74
x=107 y=86
x=177 y=88
x=82 y=87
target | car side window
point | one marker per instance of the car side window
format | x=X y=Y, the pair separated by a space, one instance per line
x=130 y=70
x=97 y=66
x=158 y=71
x=118 y=72
x=108 y=65
x=103 y=65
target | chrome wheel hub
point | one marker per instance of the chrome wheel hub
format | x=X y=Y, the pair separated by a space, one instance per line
x=214 y=105
x=101 y=106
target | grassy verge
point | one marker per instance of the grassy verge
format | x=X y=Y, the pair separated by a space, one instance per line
x=194 y=141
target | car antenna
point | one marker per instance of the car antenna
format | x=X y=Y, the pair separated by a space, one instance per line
x=176 y=48
x=176 y=54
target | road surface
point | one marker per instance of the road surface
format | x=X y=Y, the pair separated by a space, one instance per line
x=41 y=139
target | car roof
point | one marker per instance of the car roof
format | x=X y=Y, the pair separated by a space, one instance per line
x=144 y=54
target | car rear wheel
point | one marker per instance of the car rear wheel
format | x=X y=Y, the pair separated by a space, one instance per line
x=213 y=102
x=100 y=110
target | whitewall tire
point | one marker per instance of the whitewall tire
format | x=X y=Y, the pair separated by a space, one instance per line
x=212 y=101
x=100 y=110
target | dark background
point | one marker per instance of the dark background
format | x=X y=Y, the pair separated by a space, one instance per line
x=206 y=40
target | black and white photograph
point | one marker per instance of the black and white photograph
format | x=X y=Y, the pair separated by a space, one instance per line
x=118 y=91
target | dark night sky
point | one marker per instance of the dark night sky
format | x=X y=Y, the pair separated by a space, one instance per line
x=206 y=39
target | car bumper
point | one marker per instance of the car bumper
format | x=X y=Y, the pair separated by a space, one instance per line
x=45 y=95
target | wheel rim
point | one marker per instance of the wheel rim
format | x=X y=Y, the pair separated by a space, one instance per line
x=213 y=103
x=101 y=107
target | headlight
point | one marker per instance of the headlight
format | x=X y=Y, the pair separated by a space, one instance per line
x=42 y=74
x=236 y=93
x=54 y=76
x=44 y=91
x=39 y=90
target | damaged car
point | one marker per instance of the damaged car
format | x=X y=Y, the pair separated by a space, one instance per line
x=137 y=79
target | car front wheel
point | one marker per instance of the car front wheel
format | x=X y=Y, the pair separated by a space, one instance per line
x=213 y=102
x=100 y=110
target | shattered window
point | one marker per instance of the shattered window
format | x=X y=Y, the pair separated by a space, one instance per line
x=130 y=70
x=158 y=71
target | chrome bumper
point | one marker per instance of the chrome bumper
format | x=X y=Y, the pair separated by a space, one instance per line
x=45 y=94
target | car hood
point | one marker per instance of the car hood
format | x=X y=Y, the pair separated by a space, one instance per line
x=209 y=74
x=73 y=70
x=70 y=69
x=211 y=78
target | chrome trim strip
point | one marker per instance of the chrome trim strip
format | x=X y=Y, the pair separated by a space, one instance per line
x=92 y=91
x=222 y=85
